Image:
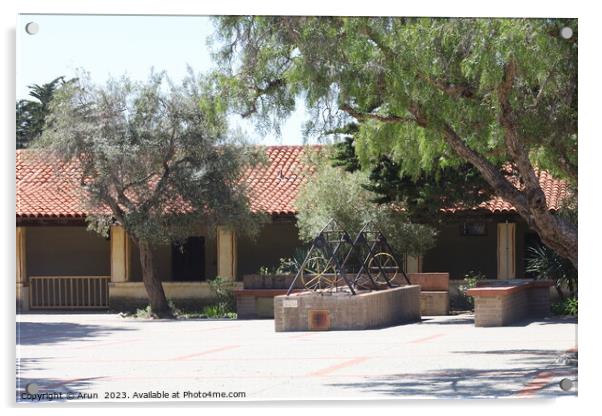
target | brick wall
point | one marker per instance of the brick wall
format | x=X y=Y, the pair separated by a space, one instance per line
x=368 y=310
x=497 y=306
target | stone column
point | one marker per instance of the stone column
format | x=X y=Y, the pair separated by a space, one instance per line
x=506 y=251
x=120 y=255
x=22 y=280
x=226 y=253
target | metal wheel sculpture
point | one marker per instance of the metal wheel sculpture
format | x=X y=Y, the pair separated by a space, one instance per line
x=322 y=269
x=319 y=273
x=386 y=263
x=333 y=255
x=380 y=266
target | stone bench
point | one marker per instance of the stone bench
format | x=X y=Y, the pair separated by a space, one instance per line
x=434 y=292
x=506 y=301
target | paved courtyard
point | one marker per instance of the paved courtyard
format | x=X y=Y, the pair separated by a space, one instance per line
x=114 y=358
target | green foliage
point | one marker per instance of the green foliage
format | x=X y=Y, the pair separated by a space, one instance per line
x=155 y=156
x=334 y=193
x=566 y=307
x=422 y=196
x=31 y=114
x=546 y=264
x=225 y=305
x=379 y=70
x=266 y=271
x=429 y=94
x=470 y=281
x=144 y=313
x=147 y=312
x=217 y=312
x=292 y=265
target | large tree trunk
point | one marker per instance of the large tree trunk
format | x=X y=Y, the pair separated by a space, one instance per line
x=152 y=284
x=530 y=202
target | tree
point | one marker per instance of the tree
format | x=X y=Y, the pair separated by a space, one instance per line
x=429 y=93
x=330 y=192
x=31 y=115
x=422 y=197
x=155 y=158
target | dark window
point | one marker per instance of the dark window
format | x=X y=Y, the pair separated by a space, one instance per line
x=474 y=228
x=188 y=260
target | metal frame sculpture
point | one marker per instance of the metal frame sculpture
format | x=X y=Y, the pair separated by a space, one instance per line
x=379 y=260
x=322 y=268
x=333 y=253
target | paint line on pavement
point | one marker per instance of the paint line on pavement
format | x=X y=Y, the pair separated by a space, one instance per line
x=425 y=339
x=331 y=369
x=198 y=354
x=541 y=380
x=103 y=344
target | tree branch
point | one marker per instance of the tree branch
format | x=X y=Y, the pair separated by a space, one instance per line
x=453 y=90
x=361 y=116
x=496 y=179
x=554 y=231
x=516 y=149
x=258 y=92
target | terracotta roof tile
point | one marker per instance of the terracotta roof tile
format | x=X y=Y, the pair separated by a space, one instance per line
x=44 y=193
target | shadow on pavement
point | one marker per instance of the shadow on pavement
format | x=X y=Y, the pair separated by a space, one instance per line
x=37 y=333
x=68 y=388
x=478 y=383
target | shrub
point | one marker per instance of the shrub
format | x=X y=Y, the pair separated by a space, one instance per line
x=546 y=264
x=291 y=265
x=146 y=313
x=470 y=280
x=224 y=298
x=565 y=307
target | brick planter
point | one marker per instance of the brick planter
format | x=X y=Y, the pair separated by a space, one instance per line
x=308 y=311
x=503 y=302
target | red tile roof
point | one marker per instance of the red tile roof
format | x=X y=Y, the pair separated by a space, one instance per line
x=44 y=193
x=555 y=190
x=274 y=188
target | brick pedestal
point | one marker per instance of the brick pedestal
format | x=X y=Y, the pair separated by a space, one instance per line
x=376 y=309
x=510 y=301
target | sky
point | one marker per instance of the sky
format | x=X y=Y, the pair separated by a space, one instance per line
x=112 y=46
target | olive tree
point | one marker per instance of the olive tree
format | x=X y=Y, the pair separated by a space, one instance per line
x=155 y=158
x=333 y=193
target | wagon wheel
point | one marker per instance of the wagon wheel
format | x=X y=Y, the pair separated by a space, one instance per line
x=319 y=273
x=385 y=262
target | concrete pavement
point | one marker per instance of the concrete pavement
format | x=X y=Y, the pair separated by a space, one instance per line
x=104 y=357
